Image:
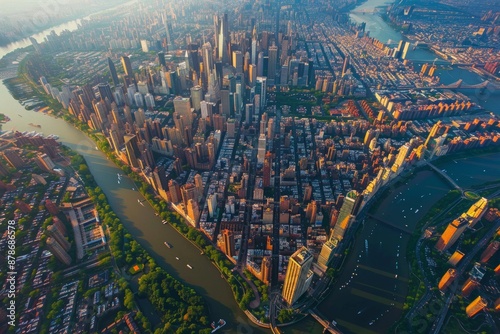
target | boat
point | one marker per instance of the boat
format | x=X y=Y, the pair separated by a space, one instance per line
x=167 y=244
x=164 y=222
x=96 y=148
x=366 y=245
x=416 y=210
x=221 y=323
x=187 y=265
x=35 y=125
x=176 y=258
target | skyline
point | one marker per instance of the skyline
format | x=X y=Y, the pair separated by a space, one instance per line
x=259 y=135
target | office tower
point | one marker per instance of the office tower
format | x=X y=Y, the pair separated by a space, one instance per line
x=261 y=90
x=145 y=45
x=351 y=205
x=345 y=66
x=261 y=153
x=341 y=227
x=228 y=240
x=222 y=35
x=238 y=61
x=260 y=64
x=112 y=71
x=161 y=59
x=490 y=251
x=55 y=233
x=254 y=46
x=403 y=153
x=167 y=30
x=160 y=178
x=150 y=101
x=298 y=275
x=451 y=234
x=193 y=210
x=13 y=158
x=182 y=105
x=271 y=65
x=225 y=103
x=175 y=191
x=212 y=204
x=127 y=67
x=327 y=253
x=470 y=285
x=58 y=251
x=448 y=278
x=138 y=100
x=455 y=258
x=476 y=306
x=208 y=59
x=46 y=162
x=266 y=170
x=196 y=97
x=132 y=150
x=476 y=211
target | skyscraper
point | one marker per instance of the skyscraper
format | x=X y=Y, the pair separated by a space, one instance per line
x=327 y=252
x=58 y=251
x=350 y=206
x=228 y=239
x=476 y=306
x=271 y=65
x=112 y=71
x=298 y=275
x=222 y=34
x=346 y=65
x=490 y=251
x=447 y=279
x=451 y=234
x=127 y=67
x=254 y=46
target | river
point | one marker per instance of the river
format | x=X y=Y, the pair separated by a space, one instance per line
x=382 y=31
x=370 y=284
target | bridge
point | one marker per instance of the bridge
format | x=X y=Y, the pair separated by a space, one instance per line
x=443 y=174
x=390 y=224
x=325 y=323
x=459 y=84
x=365 y=11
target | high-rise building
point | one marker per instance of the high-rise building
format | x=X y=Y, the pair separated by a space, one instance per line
x=182 y=105
x=127 y=67
x=254 y=46
x=46 y=162
x=175 y=191
x=222 y=35
x=327 y=253
x=228 y=240
x=455 y=258
x=470 y=285
x=261 y=152
x=193 y=210
x=196 y=97
x=476 y=306
x=271 y=65
x=448 y=278
x=298 y=275
x=112 y=71
x=13 y=158
x=55 y=233
x=490 y=251
x=451 y=234
x=58 y=251
x=345 y=66
x=351 y=205
x=132 y=150
x=266 y=170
